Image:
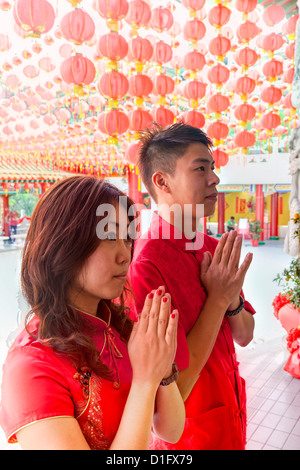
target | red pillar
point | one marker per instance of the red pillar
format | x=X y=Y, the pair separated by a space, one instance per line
x=274 y=217
x=5 y=225
x=260 y=208
x=221 y=214
x=134 y=186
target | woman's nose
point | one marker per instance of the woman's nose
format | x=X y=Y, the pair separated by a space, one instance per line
x=124 y=251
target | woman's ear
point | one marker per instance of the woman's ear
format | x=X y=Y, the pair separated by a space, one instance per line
x=160 y=181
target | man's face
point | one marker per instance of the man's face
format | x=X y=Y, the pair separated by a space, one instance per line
x=194 y=181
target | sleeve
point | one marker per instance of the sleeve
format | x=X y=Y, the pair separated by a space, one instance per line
x=33 y=388
x=144 y=277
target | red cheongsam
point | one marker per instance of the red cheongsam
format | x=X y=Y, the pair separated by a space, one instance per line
x=39 y=384
x=216 y=407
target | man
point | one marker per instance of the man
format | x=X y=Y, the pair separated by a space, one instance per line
x=204 y=280
x=231 y=224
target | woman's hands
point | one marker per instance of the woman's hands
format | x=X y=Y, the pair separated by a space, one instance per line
x=153 y=341
x=221 y=274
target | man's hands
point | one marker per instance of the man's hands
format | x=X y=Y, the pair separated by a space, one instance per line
x=221 y=274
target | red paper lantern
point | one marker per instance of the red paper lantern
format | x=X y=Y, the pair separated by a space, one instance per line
x=273 y=14
x=287 y=101
x=273 y=68
x=132 y=152
x=139 y=13
x=271 y=94
x=161 y=19
x=219 y=15
x=77 y=26
x=218 y=74
x=246 y=57
x=36 y=17
x=247 y=31
x=163 y=85
x=272 y=42
x=219 y=46
x=193 y=118
x=244 y=139
x=113 y=46
x=245 y=112
x=78 y=69
x=140 y=85
x=194 y=30
x=139 y=49
x=113 y=85
x=113 y=122
x=163 y=116
x=162 y=52
x=217 y=130
x=218 y=103
x=290 y=50
x=112 y=9
x=220 y=157
x=246 y=6
x=139 y=119
x=194 y=4
x=270 y=120
x=194 y=61
x=289 y=28
x=245 y=85
x=194 y=90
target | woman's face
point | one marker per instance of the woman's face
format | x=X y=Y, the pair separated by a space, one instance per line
x=104 y=273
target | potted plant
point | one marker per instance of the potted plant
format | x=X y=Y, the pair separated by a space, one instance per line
x=255 y=231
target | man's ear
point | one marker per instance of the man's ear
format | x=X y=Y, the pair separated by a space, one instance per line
x=160 y=181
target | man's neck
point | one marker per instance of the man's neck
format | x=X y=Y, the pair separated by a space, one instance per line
x=174 y=215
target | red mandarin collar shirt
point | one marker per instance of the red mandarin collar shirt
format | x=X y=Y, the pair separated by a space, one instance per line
x=39 y=384
x=216 y=407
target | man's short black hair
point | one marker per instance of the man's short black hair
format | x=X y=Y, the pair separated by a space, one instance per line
x=161 y=147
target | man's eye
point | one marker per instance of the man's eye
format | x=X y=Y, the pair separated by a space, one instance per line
x=201 y=168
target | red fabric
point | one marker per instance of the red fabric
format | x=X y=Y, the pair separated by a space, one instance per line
x=216 y=407
x=39 y=384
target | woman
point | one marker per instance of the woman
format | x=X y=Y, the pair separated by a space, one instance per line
x=81 y=360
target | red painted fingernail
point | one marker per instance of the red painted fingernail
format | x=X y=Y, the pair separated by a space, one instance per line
x=150 y=296
x=173 y=315
x=159 y=291
x=165 y=299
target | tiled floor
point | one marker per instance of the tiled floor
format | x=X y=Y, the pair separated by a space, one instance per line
x=273 y=397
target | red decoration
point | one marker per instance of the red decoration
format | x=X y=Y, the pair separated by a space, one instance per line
x=139 y=49
x=36 y=17
x=270 y=120
x=132 y=152
x=161 y=19
x=77 y=26
x=78 y=69
x=194 y=90
x=194 y=61
x=140 y=85
x=217 y=130
x=162 y=52
x=139 y=13
x=271 y=94
x=245 y=6
x=113 y=85
x=245 y=112
x=113 y=122
x=163 y=116
x=247 y=31
x=194 y=30
x=163 y=84
x=112 y=9
x=246 y=57
x=288 y=76
x=273 y=68
x=273 y=14
x=193 y=118
x=244 y=139
x=113 y=46
x=245 y=85
x=220 y=157
x=289 y=28
x=219 y=15
x=218 y=74
x=219 y=46
x=272 y=42
x=218 y=103
x=139 y=119
x=194 y=4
